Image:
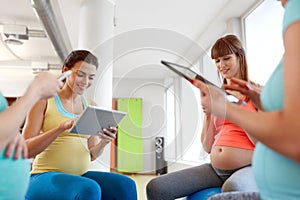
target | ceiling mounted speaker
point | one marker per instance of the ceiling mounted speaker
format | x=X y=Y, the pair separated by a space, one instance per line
x=14 y=34
x=13 y=39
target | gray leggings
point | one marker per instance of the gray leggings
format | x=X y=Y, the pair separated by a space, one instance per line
x=188 y=181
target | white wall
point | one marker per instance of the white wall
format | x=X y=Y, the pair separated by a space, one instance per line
x=152 y=94
x=14 y=82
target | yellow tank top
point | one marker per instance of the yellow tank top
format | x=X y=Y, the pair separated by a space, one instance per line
x=68 y=153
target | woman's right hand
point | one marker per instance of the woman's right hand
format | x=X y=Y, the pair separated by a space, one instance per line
x=45 y=85
x=67 y=124
x=251 y=90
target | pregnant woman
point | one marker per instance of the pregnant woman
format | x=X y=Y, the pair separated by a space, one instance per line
x=229 y=146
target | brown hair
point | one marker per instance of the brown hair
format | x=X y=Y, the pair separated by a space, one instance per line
x=230 y=44
x=80 y=55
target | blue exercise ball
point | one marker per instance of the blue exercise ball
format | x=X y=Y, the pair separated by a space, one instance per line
x=204 y=194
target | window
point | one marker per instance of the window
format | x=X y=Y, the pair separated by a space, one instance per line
x=264 y=45
x=171 y=131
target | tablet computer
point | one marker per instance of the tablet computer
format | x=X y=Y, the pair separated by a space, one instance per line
x=94 y=118
x=188 y=74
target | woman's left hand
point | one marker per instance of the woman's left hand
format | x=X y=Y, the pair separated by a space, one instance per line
x=251 y=90
x=17 y=146
x=108 y=134
x=97 y=146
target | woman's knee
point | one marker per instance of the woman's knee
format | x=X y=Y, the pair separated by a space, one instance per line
x=230 y=186
x=127 y=182
x=155 y=188
x=126 y=187
x=241 y=180
x=88 y=191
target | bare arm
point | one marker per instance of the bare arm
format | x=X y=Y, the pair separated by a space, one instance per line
x=280 y=129
x=251 y=138
x=16 y=147
x=96 y=144
x=35 y=141
x=43 y=86
x=208 y=133
x=12 y=118
x=277 y=129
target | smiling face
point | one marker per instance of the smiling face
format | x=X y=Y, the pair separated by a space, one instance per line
x=228 y=66
x=229 y=56
x=82 y=77
x=83 y=65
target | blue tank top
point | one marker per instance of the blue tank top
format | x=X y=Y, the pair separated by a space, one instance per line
x=277 y=176
x=14 y=173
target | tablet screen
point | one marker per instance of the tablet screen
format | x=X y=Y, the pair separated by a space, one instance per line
x=94 y=118
x=188 y=74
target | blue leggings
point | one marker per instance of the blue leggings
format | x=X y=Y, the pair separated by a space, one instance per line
x=92 y=185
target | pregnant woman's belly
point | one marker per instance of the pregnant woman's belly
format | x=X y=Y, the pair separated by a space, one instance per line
x=14 y=177
x=224 y=157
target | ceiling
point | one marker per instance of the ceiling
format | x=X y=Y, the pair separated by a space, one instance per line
x=151 y=30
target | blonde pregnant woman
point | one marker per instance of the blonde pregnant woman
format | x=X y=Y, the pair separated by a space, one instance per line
x=230 y=147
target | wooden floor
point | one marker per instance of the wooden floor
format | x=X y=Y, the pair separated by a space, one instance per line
x=141 y=182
